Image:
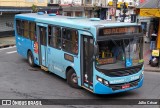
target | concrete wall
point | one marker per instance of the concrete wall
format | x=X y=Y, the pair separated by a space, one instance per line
x=6 y=21
x=7 y=24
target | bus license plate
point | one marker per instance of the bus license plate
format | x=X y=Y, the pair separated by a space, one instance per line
x=125 y=86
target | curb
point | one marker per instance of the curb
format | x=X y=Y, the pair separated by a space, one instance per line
x=4 y=46
x=150 y=70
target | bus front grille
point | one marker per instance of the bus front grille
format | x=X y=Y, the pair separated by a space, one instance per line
x=122 y=72
x=119 y=86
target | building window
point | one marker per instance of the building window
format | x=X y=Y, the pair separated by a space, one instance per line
x=54 y=34
x=68 y=14
x=78 y=14
x=20 y=27
x=41 y=1
x=88 y=1
x=29 y=0
x=70 y=40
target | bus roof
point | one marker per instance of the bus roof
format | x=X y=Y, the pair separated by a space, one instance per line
x=71 y=21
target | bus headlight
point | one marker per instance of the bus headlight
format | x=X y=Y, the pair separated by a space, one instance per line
x=140 y=77
x=101 y=80
x=106 y=82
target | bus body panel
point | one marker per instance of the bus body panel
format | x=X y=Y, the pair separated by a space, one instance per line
x=23 y=45
x=56 y=61
x=100 y=88
x=34 y=50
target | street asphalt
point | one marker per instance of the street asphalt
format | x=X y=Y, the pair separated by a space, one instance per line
x=20 y=81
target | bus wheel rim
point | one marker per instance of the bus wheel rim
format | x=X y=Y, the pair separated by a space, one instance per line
x=74 y=78
x=30 y=59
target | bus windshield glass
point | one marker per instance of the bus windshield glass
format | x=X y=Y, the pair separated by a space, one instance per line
x=122 y=53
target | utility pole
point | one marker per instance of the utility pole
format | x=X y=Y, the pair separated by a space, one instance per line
x=124 y=11
x=114 y=8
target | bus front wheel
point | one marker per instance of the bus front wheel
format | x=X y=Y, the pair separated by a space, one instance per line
x=30 y=59
x=72 y=79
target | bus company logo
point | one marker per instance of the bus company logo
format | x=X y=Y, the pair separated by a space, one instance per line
x=6 y=102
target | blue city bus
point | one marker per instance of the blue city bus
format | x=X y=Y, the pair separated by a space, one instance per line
x=104 y=57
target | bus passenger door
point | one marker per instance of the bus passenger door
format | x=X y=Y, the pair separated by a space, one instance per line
x=42 y=37
x=87 y=61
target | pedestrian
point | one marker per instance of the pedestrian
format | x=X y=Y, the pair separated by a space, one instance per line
x=153 y=41
x=152 y=44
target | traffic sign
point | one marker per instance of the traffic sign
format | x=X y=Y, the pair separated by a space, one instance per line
x=112 y=11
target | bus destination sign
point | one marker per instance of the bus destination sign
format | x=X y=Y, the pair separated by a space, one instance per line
x=118 y=30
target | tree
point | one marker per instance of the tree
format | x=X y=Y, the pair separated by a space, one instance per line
x=34 y=8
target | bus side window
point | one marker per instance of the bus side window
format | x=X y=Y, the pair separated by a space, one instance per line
x=74 y=41
x=18 y=27
x=32 y=31
x=63 y=37
x=55 y=37
x=50 y=40
x=22 y=28
x=26 y=29
x=70 y=41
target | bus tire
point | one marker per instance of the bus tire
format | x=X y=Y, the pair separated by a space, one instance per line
x=154 y=62
x=72 y=79
x=30 y=59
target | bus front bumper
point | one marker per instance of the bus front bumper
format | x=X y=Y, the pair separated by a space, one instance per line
x=100 y=88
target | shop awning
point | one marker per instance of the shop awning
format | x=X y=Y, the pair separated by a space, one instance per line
x=149 y=8
x=150 y=12
x=15 y=10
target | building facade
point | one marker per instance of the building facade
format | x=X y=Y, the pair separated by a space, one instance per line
x=9 y=8
x=104 y=9
x=23 y=3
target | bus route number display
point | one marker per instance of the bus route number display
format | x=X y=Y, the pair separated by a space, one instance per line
x=119 y=30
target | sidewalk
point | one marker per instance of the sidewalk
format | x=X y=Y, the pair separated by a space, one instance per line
x=7 y=41
x=146 y=56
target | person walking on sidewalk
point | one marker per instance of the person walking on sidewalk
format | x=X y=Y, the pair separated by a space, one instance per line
x=153 y=41
x=153 y=47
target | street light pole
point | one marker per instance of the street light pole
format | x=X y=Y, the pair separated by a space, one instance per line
x=101 y=11
x=115 y=8
x=124 y=11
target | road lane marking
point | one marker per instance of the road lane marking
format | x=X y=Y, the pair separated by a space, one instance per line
x=7 y=48
x=11 y=52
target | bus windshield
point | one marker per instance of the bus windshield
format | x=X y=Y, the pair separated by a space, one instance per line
x=122 y=53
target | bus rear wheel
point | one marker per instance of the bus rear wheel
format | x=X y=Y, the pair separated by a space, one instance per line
x=30 y=59
x=72 y=79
